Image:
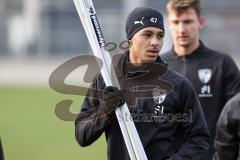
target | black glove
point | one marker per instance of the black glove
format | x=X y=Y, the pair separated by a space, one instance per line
x=112 y=98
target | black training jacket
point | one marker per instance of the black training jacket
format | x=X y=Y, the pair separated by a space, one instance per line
x=215 y=78
x=227 y=141
x=163 y=105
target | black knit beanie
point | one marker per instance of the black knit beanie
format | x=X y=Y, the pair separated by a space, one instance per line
x=142 y=17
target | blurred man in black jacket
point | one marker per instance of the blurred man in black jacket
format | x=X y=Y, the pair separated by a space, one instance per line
x=227 y=141
x=214 y=76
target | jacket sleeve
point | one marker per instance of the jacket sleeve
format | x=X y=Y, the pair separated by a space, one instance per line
x=91 y=121
x=1 y=151
x=196 y=136
x=227 y=131
x=231 y=79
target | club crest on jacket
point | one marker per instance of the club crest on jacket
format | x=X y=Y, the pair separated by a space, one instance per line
x=159 y=95
x=204 y=75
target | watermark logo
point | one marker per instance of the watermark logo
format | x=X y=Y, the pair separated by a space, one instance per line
x=59 y=75
x=94 y=65
x=139 y=116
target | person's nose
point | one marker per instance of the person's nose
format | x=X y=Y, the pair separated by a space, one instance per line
x=181 y=28
x=155 y=41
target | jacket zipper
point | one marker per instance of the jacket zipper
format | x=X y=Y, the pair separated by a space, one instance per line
x=183 y=65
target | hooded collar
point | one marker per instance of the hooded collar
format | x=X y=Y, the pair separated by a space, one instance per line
x=127 y=69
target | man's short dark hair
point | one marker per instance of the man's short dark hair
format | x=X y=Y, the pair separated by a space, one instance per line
x=181 y=5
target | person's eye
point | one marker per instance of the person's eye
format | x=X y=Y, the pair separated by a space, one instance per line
x=188 y=21
x=175 y=22
x=147 y=35
x=160 y=36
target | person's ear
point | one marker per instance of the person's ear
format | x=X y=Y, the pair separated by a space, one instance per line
x=130 y=43
x=201 y=22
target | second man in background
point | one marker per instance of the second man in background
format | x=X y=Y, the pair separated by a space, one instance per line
x=214 y=76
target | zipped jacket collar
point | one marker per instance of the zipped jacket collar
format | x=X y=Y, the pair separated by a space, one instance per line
x=196 y=53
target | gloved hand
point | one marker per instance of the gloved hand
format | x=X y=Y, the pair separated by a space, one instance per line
x=112 y=98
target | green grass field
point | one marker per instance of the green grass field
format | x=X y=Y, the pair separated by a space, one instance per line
x=30 y=130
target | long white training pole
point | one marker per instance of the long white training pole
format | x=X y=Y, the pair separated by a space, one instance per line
x=92 y=28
